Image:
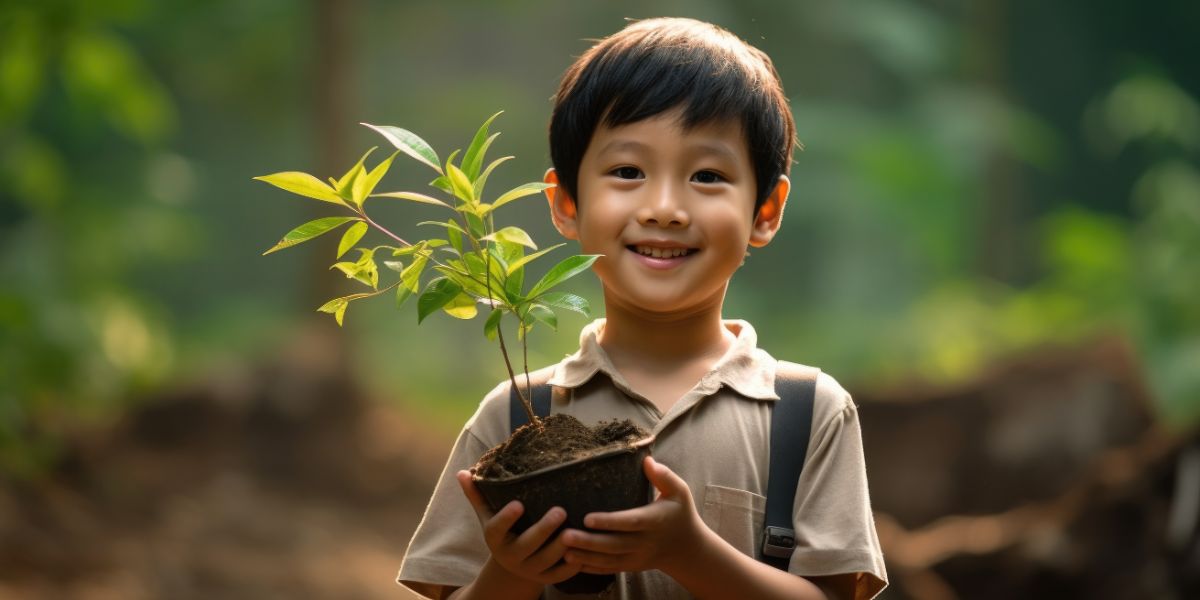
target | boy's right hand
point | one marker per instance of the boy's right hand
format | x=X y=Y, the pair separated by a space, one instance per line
x=527 y=555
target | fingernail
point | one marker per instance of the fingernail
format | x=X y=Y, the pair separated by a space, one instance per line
x=558 y=514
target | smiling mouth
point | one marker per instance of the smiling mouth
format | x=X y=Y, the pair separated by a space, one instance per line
x=655 y=252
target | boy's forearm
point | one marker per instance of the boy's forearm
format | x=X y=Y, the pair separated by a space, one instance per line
x=494 y=582
x=718 y=570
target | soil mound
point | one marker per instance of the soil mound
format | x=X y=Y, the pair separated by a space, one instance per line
x=562 y=438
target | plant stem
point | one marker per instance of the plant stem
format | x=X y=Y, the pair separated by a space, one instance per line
x=428 y=255
x=381 y=228
x=512 y=377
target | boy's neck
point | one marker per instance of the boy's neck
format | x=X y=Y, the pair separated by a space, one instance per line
x=640 y=337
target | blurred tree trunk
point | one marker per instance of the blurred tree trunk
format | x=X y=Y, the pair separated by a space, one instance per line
x=1001 y=253
x=332 y=85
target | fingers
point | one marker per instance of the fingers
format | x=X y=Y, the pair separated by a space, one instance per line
x=634 y=519
x=496 y=530
x=535 y=537
x=473 y=496
x=664 y=479
x=598 y=562
x=598 y=542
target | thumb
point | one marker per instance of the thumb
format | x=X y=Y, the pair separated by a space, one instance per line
x=664 y=479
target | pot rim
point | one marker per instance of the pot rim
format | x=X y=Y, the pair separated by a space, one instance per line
x=632 y=447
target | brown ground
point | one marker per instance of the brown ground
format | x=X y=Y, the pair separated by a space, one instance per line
x=261 y=492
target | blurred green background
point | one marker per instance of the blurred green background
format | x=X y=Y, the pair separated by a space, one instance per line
x=980 y=181
x=978 y=178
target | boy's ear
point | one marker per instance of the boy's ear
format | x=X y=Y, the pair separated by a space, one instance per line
x=770 y=214
x=562 y=207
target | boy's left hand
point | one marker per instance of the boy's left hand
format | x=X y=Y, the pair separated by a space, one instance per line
x=648 y=537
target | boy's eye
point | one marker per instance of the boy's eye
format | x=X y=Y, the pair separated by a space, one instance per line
x=627 y=173
x=707 y=177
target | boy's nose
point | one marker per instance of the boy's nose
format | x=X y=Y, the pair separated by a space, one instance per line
x=663 y=209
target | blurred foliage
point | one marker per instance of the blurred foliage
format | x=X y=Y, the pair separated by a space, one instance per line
x=979 y=178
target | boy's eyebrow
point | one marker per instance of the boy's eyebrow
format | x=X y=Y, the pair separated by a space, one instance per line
x=702 y=148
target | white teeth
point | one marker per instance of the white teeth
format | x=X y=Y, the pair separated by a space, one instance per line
x=661 y=252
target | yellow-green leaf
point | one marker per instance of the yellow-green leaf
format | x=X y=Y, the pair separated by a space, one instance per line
x=478 y=148
x=461 y=185
x=461 y=306
x=415 y=197
x=482 y=180
x=526 y=189
x=303 y=184
x=337 y=306
x=346 y=183
x=512 y=235
x=410 y=278
x=365 y=183
x=517 y=264
x=351 y=237
x=309 y=231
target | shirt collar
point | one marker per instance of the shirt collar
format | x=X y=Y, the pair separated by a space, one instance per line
x=745 y=368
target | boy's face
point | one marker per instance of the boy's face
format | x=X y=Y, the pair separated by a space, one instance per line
x=670 y=210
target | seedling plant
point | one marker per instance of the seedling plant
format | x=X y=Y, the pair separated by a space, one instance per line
x=474 y=265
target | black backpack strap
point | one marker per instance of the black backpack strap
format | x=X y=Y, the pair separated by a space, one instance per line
x=791 y=426
x=540 y=398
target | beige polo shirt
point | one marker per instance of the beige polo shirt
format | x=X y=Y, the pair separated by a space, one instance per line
x=716 y=438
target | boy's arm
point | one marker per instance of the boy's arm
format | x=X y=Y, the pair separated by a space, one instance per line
x=669 y=535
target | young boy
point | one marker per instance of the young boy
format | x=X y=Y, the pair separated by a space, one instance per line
x=671 y=142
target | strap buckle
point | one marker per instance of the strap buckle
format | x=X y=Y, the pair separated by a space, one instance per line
x=778 y=542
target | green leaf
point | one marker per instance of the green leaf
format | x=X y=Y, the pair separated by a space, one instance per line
x=545 y=315
x=344 y=185
x=460 y=184
x=482 y=180
x=524 y=260
x=415 y=197
x=493 y=324
x=395 y=265
x=402 y=295
x=455 y=235
x=475 y=225
x=525 y=189
x=512 y=235
x=351 y=237
x=442 y=183
x=337 y=306
x=568 y=301
x=365 y=183
x=461 y=306
x=439 y=293
x=410 y=278
x=409 y=143
x=303 y=184
x=475 y=152
x=449 y=225
x=309 y=231
x=567 y=268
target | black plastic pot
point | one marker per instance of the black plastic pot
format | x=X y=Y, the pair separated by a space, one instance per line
x=608 y=481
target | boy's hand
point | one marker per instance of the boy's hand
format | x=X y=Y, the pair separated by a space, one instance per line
x=655 y=536
x=527 y=555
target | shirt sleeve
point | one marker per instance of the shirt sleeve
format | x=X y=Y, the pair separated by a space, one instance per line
x=835 y=528
x=448 y=549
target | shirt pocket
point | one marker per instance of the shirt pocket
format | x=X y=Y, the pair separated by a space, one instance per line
x=736 y=515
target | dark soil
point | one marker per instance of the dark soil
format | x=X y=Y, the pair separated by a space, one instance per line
x=560 y=439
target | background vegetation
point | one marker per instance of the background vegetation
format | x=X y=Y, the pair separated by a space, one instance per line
x=978 y=179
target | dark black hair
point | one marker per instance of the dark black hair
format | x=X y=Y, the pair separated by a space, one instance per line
x=656 y=65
